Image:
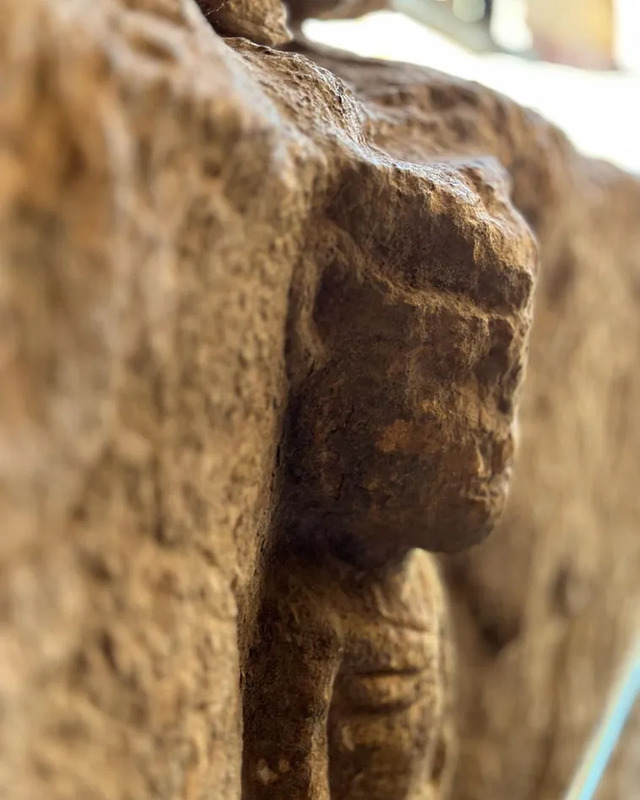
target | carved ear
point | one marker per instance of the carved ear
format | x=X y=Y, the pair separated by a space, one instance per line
x=402 y=434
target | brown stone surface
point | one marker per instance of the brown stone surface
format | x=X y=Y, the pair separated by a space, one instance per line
x=356 y=664
x=262 y=334
x=262 y=21
x=548 y=606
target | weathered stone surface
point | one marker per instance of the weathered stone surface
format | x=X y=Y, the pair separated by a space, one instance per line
x=365 y=658
x=547 y=607
x=262 y=334
x=263 y=22
x=182 y=250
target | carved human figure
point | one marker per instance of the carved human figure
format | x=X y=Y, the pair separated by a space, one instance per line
x=350 y=684
x=400 y=436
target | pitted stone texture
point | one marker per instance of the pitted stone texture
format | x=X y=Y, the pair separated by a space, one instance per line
x=263 y=22
x=183 y=256
x=367 y=661
x=239 y=300
x=413 y=447
x=141 y=408
x=547 y=607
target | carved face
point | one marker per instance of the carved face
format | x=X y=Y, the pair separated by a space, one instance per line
x=404 y=433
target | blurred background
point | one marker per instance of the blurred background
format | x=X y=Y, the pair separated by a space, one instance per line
x=575 y=61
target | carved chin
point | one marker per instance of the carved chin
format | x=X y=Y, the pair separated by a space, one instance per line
x=467 y=515
x=393 y=523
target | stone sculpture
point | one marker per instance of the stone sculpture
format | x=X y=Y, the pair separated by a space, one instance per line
x=265 y=314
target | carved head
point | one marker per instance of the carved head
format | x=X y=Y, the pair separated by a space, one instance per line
x=401 y=435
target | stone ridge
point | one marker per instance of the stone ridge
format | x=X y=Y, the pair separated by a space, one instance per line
x=534 y=604
x=263 y=22
x=407 y=329
x=183 y=261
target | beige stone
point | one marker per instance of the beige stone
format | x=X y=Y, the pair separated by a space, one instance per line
x=547 y=607
x=264 y=319
x=263 y=22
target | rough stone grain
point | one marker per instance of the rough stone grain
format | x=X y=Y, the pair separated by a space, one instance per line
x=182 y=257
x=263 y=22
x=546 y=609
x=366 y=660
x=262 y=334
